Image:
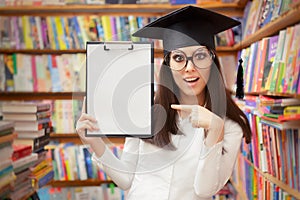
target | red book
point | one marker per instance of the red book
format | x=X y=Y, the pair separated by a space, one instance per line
x=20 y=151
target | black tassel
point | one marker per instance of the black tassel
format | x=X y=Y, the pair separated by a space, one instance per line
x=240 y=81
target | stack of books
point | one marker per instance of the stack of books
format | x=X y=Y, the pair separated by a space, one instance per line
x=32 y=123
x=7 y=175
x=282 y=113
x=23 y=158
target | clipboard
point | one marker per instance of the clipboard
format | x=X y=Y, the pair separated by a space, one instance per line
x=119 y=88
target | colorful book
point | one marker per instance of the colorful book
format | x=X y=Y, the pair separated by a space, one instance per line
x=23 y=79
x=36 y=143
x=20 y=151
x=273 y=43
x=105 y=21
x=9 y=72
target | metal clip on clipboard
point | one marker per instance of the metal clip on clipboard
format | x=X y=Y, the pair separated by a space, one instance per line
x=118 y=45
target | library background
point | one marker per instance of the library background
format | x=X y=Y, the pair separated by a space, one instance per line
x=42 y=85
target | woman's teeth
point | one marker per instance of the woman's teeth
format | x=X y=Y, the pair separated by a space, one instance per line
x=191 y=79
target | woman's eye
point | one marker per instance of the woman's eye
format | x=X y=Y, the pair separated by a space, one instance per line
x=201 y=55
x=178 y=58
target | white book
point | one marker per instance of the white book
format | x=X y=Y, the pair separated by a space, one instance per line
x=25 y=160
x=81 y=163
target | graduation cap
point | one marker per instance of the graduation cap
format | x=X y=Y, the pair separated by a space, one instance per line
x=190 y=26
x=187 y=26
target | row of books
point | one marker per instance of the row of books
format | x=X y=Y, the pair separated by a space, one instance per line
x=272 y=64
x=65 y=115
x=7 y=175
x=259 y=13
x=102 y=192
x=42 y=73
x=74 y=162
x=47 y=72
x=67 y=32
x=254 y=184
x=275 y=151
x=275 y=126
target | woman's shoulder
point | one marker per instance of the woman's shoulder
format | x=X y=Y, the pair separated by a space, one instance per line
x=231 y=125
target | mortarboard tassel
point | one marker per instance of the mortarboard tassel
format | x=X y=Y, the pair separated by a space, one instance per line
x=240 y=81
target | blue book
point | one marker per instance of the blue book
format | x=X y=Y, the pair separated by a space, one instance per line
x=46 y=179
x=88 y=162
x=6 y=171
x=54 y=73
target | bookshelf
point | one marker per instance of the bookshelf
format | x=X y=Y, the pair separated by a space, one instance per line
x=289 y=18
x=250 y=177
x=78 y=183
x=233 y=9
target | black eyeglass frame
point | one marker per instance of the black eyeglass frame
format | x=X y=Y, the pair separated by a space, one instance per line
x=188 y=58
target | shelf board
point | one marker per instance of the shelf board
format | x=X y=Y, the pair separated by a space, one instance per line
x=273 y=94
x=78 y=183
x=157 y=52
x=73 y=137
x=42 y=51
x=5 y=96
x=229 y=9
x=276 y=181
x=289 y=18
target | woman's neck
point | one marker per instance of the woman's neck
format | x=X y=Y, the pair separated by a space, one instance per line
x=193 y=100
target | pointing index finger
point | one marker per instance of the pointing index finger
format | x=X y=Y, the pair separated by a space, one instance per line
x=187 y=108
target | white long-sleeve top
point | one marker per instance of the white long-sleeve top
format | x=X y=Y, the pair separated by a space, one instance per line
x=192 y=171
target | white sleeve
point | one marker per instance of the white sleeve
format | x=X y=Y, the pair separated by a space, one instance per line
x=120 y=170
x=214 y=169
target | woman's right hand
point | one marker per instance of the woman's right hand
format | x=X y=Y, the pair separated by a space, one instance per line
x=87 y=122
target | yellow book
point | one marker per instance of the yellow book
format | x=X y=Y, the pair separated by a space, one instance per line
x=291 y=110
x=133 y=27
x=26 y=32
x=106 y=28
x=60 y=33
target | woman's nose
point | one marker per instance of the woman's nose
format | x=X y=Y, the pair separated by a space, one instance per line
x=189 y=65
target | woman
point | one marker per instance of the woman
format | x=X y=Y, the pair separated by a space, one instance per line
x=198 y=127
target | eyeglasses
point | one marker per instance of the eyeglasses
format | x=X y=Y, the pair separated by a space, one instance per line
x=177 y=60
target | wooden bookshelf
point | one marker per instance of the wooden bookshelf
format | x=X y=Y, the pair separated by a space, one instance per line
x=157 y=52
x=274 y=94
x=289 y=18
x=78 y=183
x=22 y=96
x=230 y=9
x=295 y=193
x=73 y=137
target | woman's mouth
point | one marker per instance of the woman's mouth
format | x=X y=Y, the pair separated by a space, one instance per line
x=191 y=80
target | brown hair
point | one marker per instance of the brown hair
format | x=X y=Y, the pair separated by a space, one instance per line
x=167 y=93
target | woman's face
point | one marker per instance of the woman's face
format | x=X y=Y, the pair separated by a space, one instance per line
x=190 y=67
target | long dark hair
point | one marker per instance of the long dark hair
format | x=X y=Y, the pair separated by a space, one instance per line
x=216 y=94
